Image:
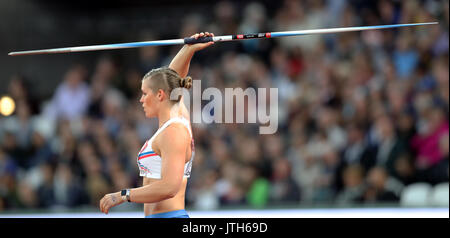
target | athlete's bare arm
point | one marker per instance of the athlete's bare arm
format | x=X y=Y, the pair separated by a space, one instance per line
x=174 y=154
x=182 y=60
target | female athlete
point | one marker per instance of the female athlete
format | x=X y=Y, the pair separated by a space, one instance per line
x=165 y=160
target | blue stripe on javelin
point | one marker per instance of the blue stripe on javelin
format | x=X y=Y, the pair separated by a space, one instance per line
x=364 y=27
x=285 y=34
x=137 y=44
x=395 y=25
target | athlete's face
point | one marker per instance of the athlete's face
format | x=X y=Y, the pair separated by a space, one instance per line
x=150 y=101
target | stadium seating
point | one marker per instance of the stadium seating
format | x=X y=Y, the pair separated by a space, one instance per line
x=439 y=195
x=416 y=195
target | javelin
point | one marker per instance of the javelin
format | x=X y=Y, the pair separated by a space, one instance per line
x=189 y=40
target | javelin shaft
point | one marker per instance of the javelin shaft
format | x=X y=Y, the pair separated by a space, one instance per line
x=190 y=40
x=99 y=47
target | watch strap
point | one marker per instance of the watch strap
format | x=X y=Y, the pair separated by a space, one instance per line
x=123 y=194
x=127 y=195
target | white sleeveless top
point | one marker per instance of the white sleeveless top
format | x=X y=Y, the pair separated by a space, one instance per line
x=150 y=163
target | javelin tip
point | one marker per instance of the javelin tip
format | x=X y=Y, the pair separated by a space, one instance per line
x=427 y=23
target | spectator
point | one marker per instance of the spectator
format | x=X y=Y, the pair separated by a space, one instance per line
x=389 y=147
x=307 y=172
x=45 y=192
x=26 y=195
x=17 y=138
x=426 y=144
x=405 y=171
x=41 y=151
x=257 y=186
x=8 y=169
x=355 y=153
x=68 y=191
x=283 y=188
x=353 y=189
x=95 y=183
x=378 y=187
x=20 y=124
x=206 y=197
x=227 y=186
x=72 y=87
x=325 y=189
x=19 y=90
x=405 y=57
x=328 y=122
x=439 y=172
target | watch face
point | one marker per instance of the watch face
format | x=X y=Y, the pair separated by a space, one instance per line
x=123 y=192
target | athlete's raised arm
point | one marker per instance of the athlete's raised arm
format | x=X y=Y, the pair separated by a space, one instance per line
x=182 y=60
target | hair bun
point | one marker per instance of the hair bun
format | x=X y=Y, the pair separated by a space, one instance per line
x=186 y=82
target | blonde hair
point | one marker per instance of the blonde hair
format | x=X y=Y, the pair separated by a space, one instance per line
x=166 y=79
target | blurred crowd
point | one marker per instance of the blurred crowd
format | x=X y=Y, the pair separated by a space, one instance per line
x=361 y=115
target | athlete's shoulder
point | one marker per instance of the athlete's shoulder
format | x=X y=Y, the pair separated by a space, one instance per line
x=175 y=129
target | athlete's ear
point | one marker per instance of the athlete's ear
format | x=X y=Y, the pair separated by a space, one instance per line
x=161 y=95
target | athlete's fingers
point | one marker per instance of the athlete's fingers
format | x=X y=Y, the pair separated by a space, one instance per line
x=104 y=204
x=201 y=34
x=101 y=204
x=107 y=207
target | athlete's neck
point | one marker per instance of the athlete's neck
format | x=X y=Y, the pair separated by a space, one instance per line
x=163 y=115
x=167 y=112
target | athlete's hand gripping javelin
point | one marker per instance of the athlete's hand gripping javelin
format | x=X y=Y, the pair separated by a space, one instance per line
x=200 y=46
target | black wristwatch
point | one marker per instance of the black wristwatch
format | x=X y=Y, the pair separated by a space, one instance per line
x=125 y=194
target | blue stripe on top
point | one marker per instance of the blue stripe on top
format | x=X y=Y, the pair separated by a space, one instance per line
x=146 y=153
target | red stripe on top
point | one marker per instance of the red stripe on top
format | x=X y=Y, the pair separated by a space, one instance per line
x=143 y=147
x=145 y=156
